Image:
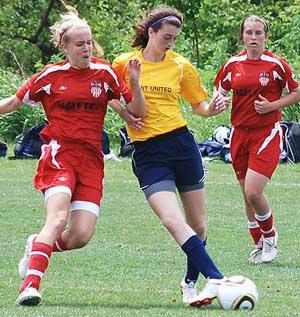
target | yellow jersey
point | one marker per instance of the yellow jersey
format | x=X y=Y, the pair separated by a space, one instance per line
x=162 y=84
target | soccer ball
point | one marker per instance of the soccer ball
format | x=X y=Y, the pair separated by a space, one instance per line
x=222 y=134
x=237 y=292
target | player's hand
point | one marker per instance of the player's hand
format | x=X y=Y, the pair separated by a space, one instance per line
x=134 y=70
x=221 y=102
x=135 y=123
x=263 y=105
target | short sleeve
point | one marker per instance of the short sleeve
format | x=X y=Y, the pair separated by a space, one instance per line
x=222 y=85
x=29 y=92
x=290 y=82
x=191 y=88
x=117 y=88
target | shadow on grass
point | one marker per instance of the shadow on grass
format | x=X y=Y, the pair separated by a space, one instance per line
x=130 y=306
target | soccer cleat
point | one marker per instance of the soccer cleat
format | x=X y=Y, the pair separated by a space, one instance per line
x=255 y=256
x=29 y=297
x=269 y=250
x=24 y=262
x=209 y=293
x=189 y=292
x=111 y=157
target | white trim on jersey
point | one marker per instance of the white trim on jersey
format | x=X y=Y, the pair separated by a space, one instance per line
x=263 y=57
x=233 y=59
x=52 y=69
x=270 y=137
x=27 y=100
x=270 y=59
x=107 y=68
x=221 y=90
x=85 y=205
x=56 y=189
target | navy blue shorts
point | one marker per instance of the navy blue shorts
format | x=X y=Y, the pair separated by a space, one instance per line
x=169 y=160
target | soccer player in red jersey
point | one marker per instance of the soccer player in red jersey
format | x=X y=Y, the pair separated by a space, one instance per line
x=74 y=95
x=257 y=78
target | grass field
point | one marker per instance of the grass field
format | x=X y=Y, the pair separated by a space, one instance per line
x=132 y=267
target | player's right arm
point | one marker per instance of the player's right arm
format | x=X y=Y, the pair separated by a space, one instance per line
x=10 y=104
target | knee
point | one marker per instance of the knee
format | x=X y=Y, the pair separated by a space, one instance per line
x=200 y=229
x=57 y=225
x=81 y=238
x=170 y=223
x=252 y=196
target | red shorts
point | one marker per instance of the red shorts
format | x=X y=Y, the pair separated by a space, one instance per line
x=257 y=149
x=72 y=166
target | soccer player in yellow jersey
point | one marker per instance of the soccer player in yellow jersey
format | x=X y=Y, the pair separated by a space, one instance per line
x=166 y=155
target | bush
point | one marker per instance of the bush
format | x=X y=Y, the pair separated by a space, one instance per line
x=14 y=123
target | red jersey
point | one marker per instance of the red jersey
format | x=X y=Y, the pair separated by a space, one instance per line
x=267 y=76
x=75 y=101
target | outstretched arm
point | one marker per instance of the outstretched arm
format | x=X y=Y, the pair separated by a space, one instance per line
x=217 y=105
x=134 y=122
x=137 y=106
x=263 y=105
x=10 y=104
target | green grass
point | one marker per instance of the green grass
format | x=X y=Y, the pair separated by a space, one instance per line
x=132 y=267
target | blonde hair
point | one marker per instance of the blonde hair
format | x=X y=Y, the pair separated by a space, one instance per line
x=68 y=21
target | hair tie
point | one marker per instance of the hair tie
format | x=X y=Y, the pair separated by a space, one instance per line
x=164 y=19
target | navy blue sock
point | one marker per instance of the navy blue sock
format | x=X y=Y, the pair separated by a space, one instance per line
x=192 y=273
x=196 y=253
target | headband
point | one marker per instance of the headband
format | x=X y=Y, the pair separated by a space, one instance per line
x=164 y=19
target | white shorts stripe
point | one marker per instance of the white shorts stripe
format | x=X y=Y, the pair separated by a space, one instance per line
x=56 y=189
x=270 y=137
x=85 y=205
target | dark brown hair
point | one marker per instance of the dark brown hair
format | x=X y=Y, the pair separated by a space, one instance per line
x=154 y=19
x=252 y=18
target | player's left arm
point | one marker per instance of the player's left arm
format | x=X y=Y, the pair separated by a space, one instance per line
x=138 y=104
x=124 y=113
x=10 y=104
x=218 y=104
x=263 y=105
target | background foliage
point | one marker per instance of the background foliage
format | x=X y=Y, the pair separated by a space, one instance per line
x=209 y=37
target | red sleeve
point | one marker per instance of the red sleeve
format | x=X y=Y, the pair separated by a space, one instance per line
x=222 y=80
x=291 y=83
x=30 y=92
x=118 y=89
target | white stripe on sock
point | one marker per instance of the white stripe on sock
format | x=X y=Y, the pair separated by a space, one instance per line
x=40 y=253
x=35 y=272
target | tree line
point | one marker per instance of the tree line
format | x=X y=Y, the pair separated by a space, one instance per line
x=209 y=35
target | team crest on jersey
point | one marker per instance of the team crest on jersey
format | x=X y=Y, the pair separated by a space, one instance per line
x=96 y=89
x=264 y=78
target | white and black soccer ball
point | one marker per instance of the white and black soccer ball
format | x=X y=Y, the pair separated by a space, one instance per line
x=237 y=292
x=222 y=134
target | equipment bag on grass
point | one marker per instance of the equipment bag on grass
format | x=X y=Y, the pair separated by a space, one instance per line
x=291 y=140
x=29 y=144
x=3 y=148
x=126 y=146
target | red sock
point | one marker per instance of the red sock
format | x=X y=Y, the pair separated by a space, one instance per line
x=254 y=231
x=59 y=245
x=38 y=263
x=266 y=224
